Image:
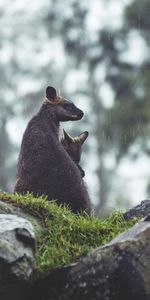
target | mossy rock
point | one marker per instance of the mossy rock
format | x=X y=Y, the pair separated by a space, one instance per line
x=63 y=237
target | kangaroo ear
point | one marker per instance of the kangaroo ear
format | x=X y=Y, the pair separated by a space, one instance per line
x=51 y=93
x=67 y=137
x=83 y=136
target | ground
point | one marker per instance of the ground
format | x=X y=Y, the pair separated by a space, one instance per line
x=65 y=237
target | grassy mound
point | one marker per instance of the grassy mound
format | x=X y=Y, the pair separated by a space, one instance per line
x=66 y=237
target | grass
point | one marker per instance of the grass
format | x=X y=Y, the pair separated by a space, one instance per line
x=66 y=237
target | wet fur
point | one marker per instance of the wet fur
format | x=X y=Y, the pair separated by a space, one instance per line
x=44 y=167
x=73 y=146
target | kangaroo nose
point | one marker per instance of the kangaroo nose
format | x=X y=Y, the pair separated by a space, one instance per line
x=81 y=114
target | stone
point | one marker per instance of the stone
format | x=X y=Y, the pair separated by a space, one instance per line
x=140 y=210
x=52 y=284
x=120 y=270
x=17 y=247
x=8 y=208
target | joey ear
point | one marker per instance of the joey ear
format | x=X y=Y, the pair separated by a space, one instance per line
x=51 y=93
x=83 y=136
x=67 y=137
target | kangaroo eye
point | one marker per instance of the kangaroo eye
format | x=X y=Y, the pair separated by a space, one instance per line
x=68 y=106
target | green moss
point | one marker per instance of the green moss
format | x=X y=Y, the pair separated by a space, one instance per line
x=66 y=237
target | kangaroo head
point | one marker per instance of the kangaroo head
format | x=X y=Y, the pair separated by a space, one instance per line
x=73 y=145
x=64 y=109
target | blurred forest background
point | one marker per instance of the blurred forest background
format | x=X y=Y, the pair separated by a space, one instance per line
x=98 y=54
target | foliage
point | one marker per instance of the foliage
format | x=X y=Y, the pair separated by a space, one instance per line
x=25 y=71
x=137 y=14
x=28 y=48
x=102 y=50
x=130 y=112
x=65 y=236
x=123 y=126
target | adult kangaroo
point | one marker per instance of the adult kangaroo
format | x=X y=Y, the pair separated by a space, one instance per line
x=44 y=167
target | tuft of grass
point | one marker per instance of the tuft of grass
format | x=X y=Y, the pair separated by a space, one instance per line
x=66 y=237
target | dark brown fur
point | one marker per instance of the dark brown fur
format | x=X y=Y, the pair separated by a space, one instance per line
x=44 y=167
x=73 y=145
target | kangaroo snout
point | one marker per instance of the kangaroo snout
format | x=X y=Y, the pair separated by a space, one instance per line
x=76 y=115
x=81 y=114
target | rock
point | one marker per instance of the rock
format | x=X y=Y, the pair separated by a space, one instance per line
x=7 y=208
x=119 y=270
x=51 y=286
x=17 y=246
x=140 y=210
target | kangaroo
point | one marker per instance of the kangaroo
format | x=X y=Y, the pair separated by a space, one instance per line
x=73 y=145
x=44 y=167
